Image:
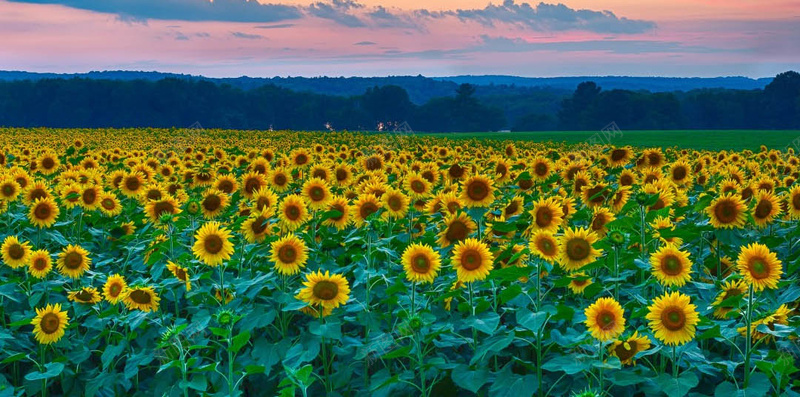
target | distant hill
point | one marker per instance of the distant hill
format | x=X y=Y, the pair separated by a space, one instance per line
x=421 y=89
x=652 y=84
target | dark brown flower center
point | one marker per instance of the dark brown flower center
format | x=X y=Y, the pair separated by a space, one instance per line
x=673 y=318
x=50 y=323
x=225 y=186
x=108 y=203
x=317 y=193
x=477 y=190
x=679 y=173
x=606 y=320
x=213 y=244
x=544 y=217
x=251 y=185
x=89 y=196
x=163 y=207
x=368 y=209
x=114 y=289
x=48 y=163
x=624 y=353
x=726 y=211
x=292 y=212
x=212 y=202
x=578 y=249
x=280 y=179
x=16 y=251
x=73 y=260
x=287 y=254
x=417 y=186
x=141 y=297
x=132 y=184
x=40 y=264
x=671 y=265
x=420 y=264
x=546 y=246
x=618 y=154
x=471 y=259
x=759 y=269
x=763 y=209
x=326 y=290
x=456 y=231
x=259 y=225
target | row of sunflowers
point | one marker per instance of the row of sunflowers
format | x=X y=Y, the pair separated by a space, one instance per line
x=186 y=262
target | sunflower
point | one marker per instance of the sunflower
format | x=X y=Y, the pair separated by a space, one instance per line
x=619 y=157
x=547 y=215
x=395 y=203
x=43 y=212
x=759 y=267
x=514 y=207
x=680 y=173
x=472 y=260
x=36 y=190
x=727 y=211
x=228 y=295
x=212 y=244
x=544 y=245
x=343 y=174
x=255 y=228
x=673 y=318
x=9 y=189
x=342 y=207
x=365 y=205
x=317 y=192
x=730 y=290
x=73 y=261
x=181 y=273
x=90 y=197
x=114 y=289
x=71 y=195
x=417 y=186
x=264 y=201
x=576 y=248
x=458 y=227
x=793 y=202
x=327 y=290
x=15 y=253
x=671 y=266
x=605 y=319
x=141 y=298
x=766 y=208
x=213 y=203
x=542 y=168
x=132 y=184
x=477 y=191
x=167 y=205
x=292 y=212
x=289 y=255
x=87 y=295
x=251 y=183
x=49 y=324
x=601 y=216
x=578 y=282
x=627 y=349
x=40 y=264
x=279 y=179
x=226 y=184
x=421 y=263
x=110 y=204
x=779 y=316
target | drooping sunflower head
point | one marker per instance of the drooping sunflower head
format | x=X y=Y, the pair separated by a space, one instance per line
x=673 y=318
x=726 y=301
x=289 y=255
x=324 y=289
x=627 y=349
x=421 y=263
x=759 y=267
x=605 y=319
x=576 y=248
x=671 y=266
x=472 y=260
x=578 y=282
x=49 y=324
x=73 y=261
x=85 y=295
x=114 y=289
x=727 y=212
x=141 y=298
x=212 y=244
x=16 y=253
x=180 y=273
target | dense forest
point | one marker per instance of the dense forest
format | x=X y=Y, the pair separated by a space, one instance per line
x=176 y=102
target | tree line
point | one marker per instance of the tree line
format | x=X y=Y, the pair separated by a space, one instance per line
x=171 y=102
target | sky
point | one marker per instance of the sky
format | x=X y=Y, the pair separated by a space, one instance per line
x=265 y=38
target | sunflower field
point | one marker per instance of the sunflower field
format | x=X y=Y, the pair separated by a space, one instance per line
x=184 y=262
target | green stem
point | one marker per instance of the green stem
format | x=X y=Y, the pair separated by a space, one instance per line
x=600 y=378
x=748 y=350
x=539 y=331
x=42 y=360
x=472 y=306
x=675 y=367
x=324 y=353
x=616 y=273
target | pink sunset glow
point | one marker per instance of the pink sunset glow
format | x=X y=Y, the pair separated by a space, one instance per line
x=381 y=37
